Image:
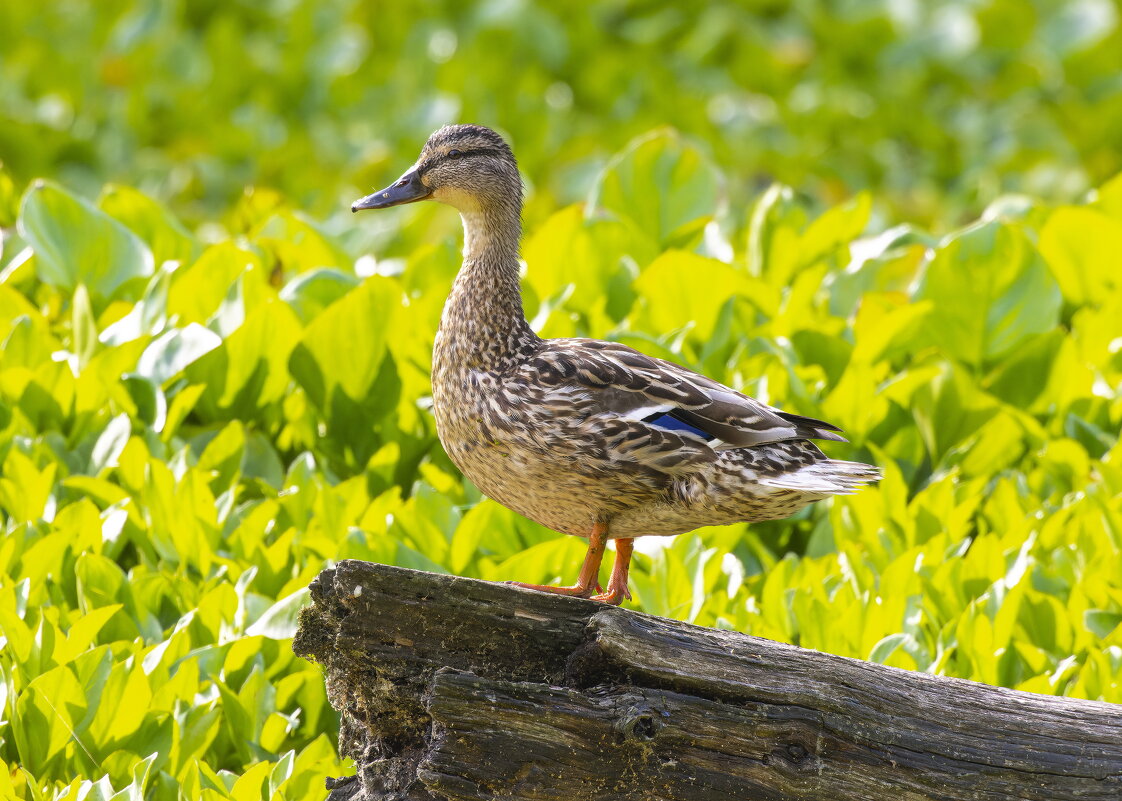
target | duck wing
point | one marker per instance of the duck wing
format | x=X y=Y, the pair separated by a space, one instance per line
x=658 y=398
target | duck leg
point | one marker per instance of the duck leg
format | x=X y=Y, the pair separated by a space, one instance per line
x=617 y=584
x=588 y=580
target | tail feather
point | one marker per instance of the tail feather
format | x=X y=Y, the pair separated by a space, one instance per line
x=828 y=477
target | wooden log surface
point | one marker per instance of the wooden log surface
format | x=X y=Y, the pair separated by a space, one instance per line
x=453 y=688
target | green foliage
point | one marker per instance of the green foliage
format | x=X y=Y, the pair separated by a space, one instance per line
x=937 y=106
x=76 y=243
x=209 y=392
x=184 y=449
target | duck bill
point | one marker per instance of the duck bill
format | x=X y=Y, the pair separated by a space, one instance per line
x=408 y=189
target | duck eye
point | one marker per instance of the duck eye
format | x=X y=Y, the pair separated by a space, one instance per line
x=454 y=154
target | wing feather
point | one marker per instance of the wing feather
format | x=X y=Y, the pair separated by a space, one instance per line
x=633 y=387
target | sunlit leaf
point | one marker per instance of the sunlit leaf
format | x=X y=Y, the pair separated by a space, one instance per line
x=152 y=222
x=342 y=349
x=661 y=185
x=197 y=290
x=280 y=620
x=248 y=369
x=1081 y=246
x=990 y=292
x=171 y=352
x=310 y=293
x=678 y=290
x=76 y=243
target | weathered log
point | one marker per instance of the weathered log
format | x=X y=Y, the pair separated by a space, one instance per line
x=453 y=688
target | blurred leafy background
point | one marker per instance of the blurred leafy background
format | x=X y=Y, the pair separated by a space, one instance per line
x=214 y=380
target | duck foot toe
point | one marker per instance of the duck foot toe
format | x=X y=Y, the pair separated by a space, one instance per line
x=614 y=596
x=576 y=590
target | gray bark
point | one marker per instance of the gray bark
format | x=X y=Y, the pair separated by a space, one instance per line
x=453 y=688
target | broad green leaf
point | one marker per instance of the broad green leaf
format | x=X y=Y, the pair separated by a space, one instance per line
x=147 y=317
x=661 y=185
x=151 y=403
x=14 y=305
x=298 y=243
x=990 y=292
x=198 y=290
x=262 y=461
x=100 y=581
x=26 y=489
x=122 y=704
x=248 y=785
x=280 y=620
x=887 y=325
x=835 y=228
x=281 y=772
x=247 y=371
x=1102 y=622
x=342 y=350
x=137 y=789
x=1081 y=246
x=174 y=350
x=28 y=343
x=224 y=454
x=76 y=243
x=579 y=258
x=681 y=289
x=949 y=408
x=1022 y=377
x=548 y=561
x=9 y=201
x=830 y=353
x=998 y=443
x=110 y=444
x=472 y=531
x=773 y=234
x=50 y=710
x=149 y=220
x=887 y=262
x=18 y=636
x=181 y=405
x=1109 y=197
x=310 y=293
x=83 y=632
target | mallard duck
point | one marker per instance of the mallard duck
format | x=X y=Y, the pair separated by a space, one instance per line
x=586 y=437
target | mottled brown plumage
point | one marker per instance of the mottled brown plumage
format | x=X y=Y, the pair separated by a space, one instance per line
x=590 y=438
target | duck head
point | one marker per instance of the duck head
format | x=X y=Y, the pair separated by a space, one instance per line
x=469 y=167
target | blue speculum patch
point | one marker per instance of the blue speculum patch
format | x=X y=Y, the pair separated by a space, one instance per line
x=671 y=422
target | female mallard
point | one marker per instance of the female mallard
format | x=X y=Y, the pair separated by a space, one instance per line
x=586 y=437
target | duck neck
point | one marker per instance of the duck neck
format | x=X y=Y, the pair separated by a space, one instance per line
x=483 y=325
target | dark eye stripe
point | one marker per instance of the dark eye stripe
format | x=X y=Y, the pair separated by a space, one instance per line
x=479 y=151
